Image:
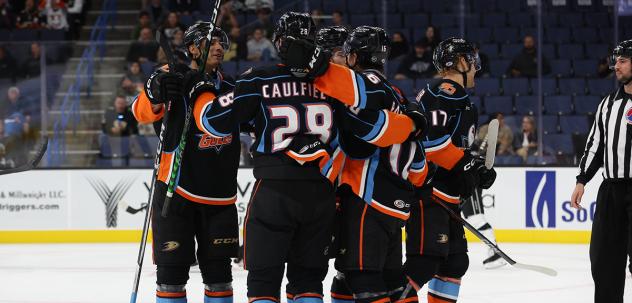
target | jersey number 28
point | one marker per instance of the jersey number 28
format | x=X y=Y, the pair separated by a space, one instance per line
x=318 y=120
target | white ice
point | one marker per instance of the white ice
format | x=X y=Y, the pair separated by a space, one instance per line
x=103 y=273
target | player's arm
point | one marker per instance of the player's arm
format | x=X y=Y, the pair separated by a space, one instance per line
x=146 y=112
x=219 y=115
x=418 y=171
x=353 y=89
x=148 y=107
x=378 y=127
x=592 y=159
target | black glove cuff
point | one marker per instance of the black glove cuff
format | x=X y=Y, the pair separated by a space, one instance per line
x=152 y=87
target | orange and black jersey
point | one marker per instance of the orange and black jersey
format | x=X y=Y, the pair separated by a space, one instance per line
x=208 y=172
x=453 y=121
x=382 y=166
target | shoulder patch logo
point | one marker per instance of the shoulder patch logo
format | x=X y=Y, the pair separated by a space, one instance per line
x=628 y=116
x=448 y=88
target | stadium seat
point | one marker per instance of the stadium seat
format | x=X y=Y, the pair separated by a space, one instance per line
x=437 y=6
x=509 y=51
x=506 y=35
x=606 y=34
x=187 y=20
x=574 y=124
x=561 y=67
x=444 y=20
x=548 y=51
x=515 y=86
x=600 y=87
x=490 y=49
x=557 y=105
x=520 y=19
x=394 y=20
x=494 y=20
x=140 y=163
x=409 y=6
x=5 y=35
x=513 y=121
x=53 y=35
x=572 y=86
x=451 y=32
x=598 y=20
x=479 y=34
x=391 y=6
x=586 y=104
x=585 y=35
x=502 y=104
x=508 y=160
x=585 y=68
x=358 y=20
x=557 y=35
x=572 y=19
x=487 y=86
x=330 y=6
x=559 y=143
x=483 y=6
x=25 y=35
x=114 y=146
x=416 y=21
x=549 y=20
x=570 y=51
x=549 y=124
x=512 y=7
x=549 y=86
x=498 y=67
x=360 y=7
x=526 y=105
x=472 y=20
x=528 y=31
x=596 y=50
x=544 y=160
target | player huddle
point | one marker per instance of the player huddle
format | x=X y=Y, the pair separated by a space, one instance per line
x=342 y=160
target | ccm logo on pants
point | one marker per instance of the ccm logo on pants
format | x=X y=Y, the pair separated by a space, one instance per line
x=225 y=241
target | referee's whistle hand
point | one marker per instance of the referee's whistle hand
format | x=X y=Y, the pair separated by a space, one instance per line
x=576 y=198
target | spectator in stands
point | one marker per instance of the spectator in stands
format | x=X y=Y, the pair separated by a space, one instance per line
x=417 y=64
x=16 y=123
x=399 y=46
x=264 y=22
x=338 y=18
x=317 y=16
x=227 y=19
x=31 y=67
x=260 y=48
x=12 y=103
x=7 y=65
x=7 y=17
x=526 y=140
x=505 y=135
x=171 y=25
x=129 y=90
x=144 y=21
x=525 y=64
x=119 y=120
x=603 y=67
x=157 y=12
x=135 y=74
x=30 y=17
x=4 y=161
x=56 y=15
x=186 y=7
x=76 y=16
x=145 y=49
x=431 y=38
x=485 y=69
x=238 y=48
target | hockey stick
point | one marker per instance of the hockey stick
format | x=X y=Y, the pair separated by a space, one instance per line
x=32 y=163
x=478 y=234
x=164 y=44
x=175 y=170
x=492 y=138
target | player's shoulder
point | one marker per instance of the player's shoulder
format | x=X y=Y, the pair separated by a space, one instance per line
x=264 y=73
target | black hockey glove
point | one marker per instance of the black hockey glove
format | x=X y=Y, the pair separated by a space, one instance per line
x=414 y=112
x=303 y=58
x=195 y=83
x=467 y=175
x=486 y=176
x=152 y=87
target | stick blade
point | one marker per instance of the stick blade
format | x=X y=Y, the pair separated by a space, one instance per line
x=40 y=153
x=541 y=269
x=492 y=138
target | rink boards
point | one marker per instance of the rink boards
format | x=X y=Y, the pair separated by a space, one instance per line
x=51 y=206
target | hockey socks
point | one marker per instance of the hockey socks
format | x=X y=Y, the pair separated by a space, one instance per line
x=218 y=293
x=171 y=294
x=443 y=290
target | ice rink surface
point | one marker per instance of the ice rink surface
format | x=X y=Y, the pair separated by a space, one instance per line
x=103 y=273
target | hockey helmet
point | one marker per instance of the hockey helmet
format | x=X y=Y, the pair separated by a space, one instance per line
x=447 y=53
x=331 y=37
x=371 y=44
x=197 y=32
x=624 y=49
x=295 y=25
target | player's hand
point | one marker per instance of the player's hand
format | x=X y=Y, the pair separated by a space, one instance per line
x=467 y=175
x=195 y=83
x=170 y=86
x=303 y=58
x=486 y=177
x=414 y=112
x=576 y=197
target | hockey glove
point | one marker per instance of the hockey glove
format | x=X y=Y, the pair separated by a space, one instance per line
x=152 y=87
x=467 y=175
x=414 y=112
x=196 y=83
x=486 y=177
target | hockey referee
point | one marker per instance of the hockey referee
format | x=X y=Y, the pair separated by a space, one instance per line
x=609 y=145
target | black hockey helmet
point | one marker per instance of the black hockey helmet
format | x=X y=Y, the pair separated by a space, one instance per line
x=295 y=25
x=624 y=49
x=331 y=37
x=371 y=44
x=447 y=53
x=197 y=32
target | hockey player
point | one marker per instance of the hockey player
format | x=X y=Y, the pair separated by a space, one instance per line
x=436 y=247
x=377 y=180
x=203 y=206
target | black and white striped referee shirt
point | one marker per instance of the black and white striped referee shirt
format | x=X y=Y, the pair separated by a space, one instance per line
x=609 y=142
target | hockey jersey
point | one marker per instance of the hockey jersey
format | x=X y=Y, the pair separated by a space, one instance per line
x=382 y=166
x=208 y=172
x=453 y=121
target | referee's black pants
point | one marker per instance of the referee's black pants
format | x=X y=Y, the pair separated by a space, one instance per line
x=609 y=241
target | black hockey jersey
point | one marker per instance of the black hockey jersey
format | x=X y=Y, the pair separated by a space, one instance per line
x=382 y=166
x=208 y=172
x=453 y=120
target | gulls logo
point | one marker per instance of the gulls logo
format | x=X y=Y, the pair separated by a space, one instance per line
x=170 y=246
x=540 y=197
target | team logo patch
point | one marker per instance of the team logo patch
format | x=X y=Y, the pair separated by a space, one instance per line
x=399 y=204
x=170 y=246
x=447 y=88
x=207 y=141
x=628 y=116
